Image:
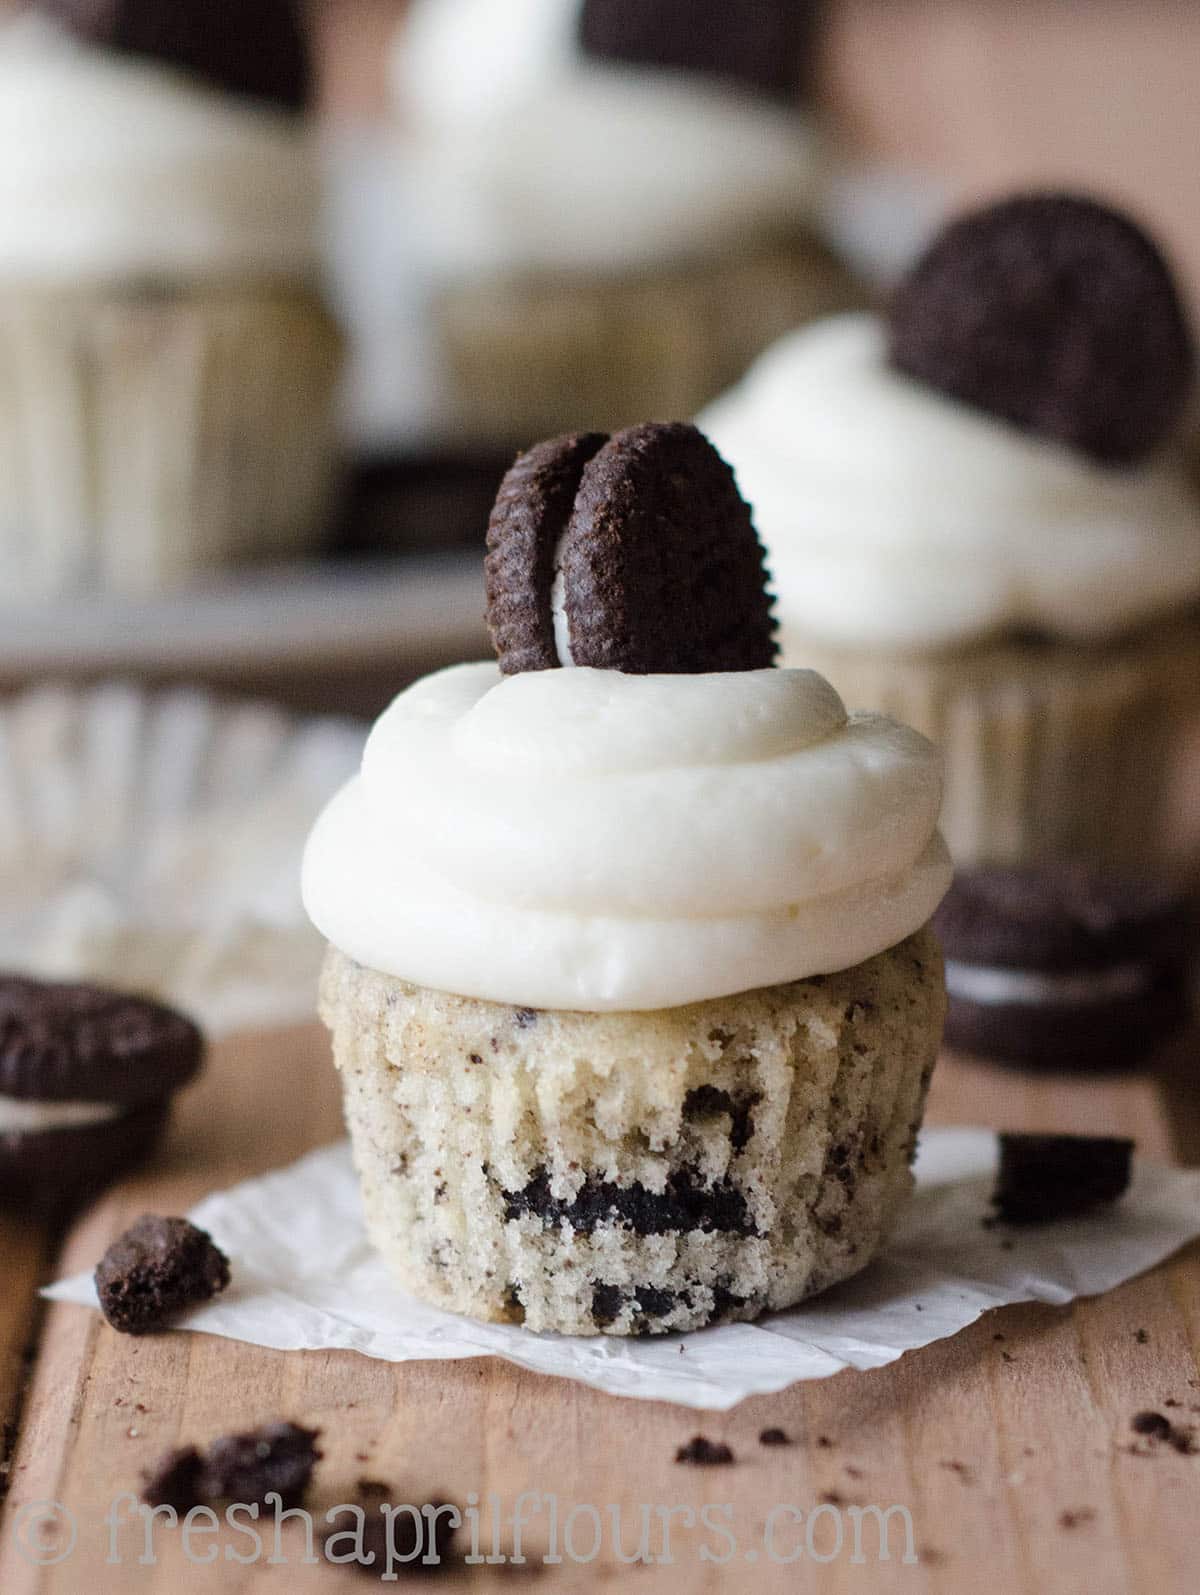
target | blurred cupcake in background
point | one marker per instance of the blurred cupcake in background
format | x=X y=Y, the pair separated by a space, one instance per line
x=978 y=520
x=586 y=212
x=167 y=365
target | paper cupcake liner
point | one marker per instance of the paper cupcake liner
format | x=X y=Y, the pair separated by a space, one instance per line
x=152 y=841
x=1051 y=748
x=635 y=1173
x=527 y=356
x=147 y=439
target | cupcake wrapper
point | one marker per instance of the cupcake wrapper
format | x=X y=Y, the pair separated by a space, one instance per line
x=149 y=840
x=635 y=1173
x=1050 y=749
x=532 y=355
x=146 y=439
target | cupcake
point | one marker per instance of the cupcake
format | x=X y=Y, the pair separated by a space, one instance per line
x=167 y=365
x=977 y=520
x=631 y=981
x=589 y=211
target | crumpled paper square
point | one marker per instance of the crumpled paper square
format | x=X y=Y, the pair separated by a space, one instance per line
x=305 y=1278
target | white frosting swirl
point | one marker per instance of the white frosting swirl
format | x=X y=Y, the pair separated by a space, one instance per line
x=519 y=152
x=111 y=166
x=897 y=518
x=584 y=839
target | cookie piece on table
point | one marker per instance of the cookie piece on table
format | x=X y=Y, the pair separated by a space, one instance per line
x=255 y=48
x=86 y=1080
x=633 y=552
x=1045 y=1177
x=1056 y=314
x=159 y=1268
x=278 y=1458
x=1065 y=967
x=764 y=46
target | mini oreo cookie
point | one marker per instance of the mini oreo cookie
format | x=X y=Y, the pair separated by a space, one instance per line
x=763 y=45
x=255 y=48
x=86 y=1078
x=1064 y=966
x=1057 y=314
x=644 y=546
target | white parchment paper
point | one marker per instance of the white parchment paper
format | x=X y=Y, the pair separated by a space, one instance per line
x=305 y=1277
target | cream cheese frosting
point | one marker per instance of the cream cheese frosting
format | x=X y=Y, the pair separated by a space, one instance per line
x=584 y=839
x=112 y=166
x=516 y=151
x=896 y=518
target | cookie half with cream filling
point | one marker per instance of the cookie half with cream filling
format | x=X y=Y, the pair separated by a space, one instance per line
x=86 y=1081
x=1065 y=966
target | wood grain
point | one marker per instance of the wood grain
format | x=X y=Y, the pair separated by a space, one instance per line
x=1009 y=1444
x=26 y=1250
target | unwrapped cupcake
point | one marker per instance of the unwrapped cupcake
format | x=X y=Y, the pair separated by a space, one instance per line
x=631 y=980
x=589 y=211
x=977 y=519
x=167 y=365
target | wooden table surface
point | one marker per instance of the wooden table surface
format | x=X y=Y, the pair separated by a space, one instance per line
x=1010 y=1445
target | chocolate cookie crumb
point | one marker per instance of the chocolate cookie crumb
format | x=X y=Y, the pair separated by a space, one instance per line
x=1152 y=1424
x=156 y=1270
x=703 y=1453
x=1142 y=1337
x=774 y=1437
x=175 y=1480
x=1056 y=314
x=1047 y=1177
x=1077 y=1518
x=246 y=1468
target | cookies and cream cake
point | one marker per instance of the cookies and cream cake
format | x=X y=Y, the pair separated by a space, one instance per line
x=631 y=983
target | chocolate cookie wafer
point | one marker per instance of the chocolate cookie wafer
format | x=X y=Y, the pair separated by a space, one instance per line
x=1056 y=314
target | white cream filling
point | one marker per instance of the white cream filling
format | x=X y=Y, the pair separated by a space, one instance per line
x=558 y=609
x=989 y=983
x=19 y=1117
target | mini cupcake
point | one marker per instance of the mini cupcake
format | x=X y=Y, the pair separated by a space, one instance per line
x=603 y=209
x=166 y=363
x=977 y=520
x=631 y=982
